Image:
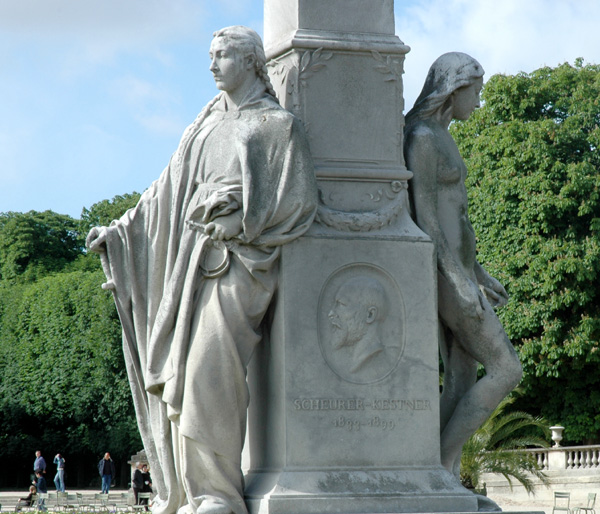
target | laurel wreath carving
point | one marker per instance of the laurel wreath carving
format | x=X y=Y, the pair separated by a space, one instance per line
x=388 y=66
x=364 y=221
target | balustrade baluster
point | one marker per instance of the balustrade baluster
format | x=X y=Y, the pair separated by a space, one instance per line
x=570 y=460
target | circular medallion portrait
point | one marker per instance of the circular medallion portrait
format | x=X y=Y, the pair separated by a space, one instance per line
x=361 y=323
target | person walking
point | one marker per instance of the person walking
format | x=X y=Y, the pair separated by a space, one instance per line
x=147 y=479
x=42 y=488
x=106 y=468
x=39 y=464
x=59 y=478
x=147 y=484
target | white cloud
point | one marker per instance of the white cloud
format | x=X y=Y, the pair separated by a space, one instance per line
x=131 y=19
x=506 y=37
x=95 y=31
x=152 y=105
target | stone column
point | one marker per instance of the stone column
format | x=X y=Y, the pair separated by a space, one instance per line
x=344 y=409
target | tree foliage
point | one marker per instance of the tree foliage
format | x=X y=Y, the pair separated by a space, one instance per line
x=64 y=379
x=534 y=191
x=33 y=244
x=102 y=213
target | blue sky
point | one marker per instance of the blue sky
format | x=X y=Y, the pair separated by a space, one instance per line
x=96 y=93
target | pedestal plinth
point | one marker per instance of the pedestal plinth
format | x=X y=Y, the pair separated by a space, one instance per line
x=344 y=417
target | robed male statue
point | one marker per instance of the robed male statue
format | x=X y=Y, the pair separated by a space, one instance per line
x=194 y=267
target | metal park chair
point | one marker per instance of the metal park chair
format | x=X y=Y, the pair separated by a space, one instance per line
x=100 y=503
x=561 y=502
x=60 y=500
x=589 y=509
x=122 y=502
x=42 y=499
x=143 y=502
x=74 y=501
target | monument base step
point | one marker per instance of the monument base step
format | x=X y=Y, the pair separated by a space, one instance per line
x=406 y=490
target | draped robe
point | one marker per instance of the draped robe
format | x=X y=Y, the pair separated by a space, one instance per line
x=192 y=309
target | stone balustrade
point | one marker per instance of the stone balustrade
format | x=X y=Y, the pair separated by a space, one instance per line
x=568 y=457
x=574 y=469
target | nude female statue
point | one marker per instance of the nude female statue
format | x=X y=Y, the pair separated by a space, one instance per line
x=470 y=331
x=194 y=267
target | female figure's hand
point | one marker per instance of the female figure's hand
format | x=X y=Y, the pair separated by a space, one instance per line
x=96 y=240
x=224 y=227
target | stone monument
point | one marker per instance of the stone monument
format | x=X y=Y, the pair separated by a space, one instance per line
x=221 y=254
x=344 y=411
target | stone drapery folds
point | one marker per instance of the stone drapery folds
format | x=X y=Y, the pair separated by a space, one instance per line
x=192 y=308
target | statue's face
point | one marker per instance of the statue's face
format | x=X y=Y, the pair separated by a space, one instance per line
x=466 y=100
x=227 y=64
x=347 y=318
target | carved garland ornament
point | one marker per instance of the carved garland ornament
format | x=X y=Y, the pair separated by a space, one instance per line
x=364 y=221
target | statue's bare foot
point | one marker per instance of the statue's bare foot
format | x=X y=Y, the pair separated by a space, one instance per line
x=213 y=505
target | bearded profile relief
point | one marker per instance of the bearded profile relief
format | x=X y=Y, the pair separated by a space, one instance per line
x=358 y=339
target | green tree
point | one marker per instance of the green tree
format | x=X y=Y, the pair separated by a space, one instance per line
x=34 y=244
x=493 y=448
x=534 y=191
x=102 y=213
x=62 y=367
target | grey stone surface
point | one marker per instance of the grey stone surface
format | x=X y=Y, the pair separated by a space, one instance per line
x=286 y=20
x=470 y=332
x=194 y=267
x=331 y=433
x=345 y=409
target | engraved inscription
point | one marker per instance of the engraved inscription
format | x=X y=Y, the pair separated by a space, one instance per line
x=361 y=404
x=328 y=404
x=354 y=425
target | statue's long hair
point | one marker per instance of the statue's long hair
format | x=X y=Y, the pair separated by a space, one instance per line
x=448 y=73
x=249 y=42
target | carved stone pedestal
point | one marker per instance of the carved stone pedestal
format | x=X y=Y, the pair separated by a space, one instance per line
x=334 y=429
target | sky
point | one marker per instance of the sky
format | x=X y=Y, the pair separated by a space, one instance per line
x=95 y=94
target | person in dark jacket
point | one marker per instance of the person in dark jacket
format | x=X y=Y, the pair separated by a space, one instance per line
x=147 y=484
x=137 y=482
x=147 y=479
x=42 y=488
x=106 y=468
